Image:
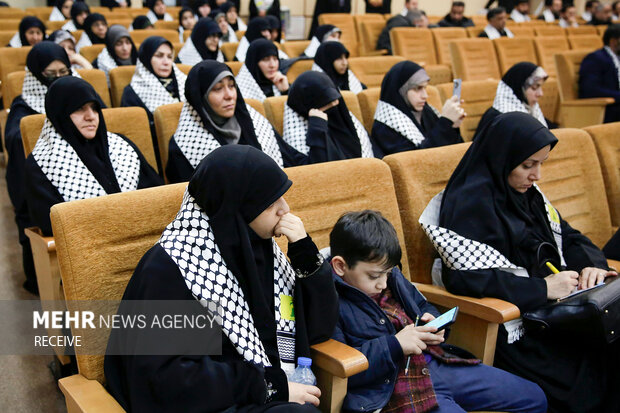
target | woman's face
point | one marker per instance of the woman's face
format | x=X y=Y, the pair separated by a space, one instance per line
x=66 y=9
x=341 y=65
x=55 y=70
x=122 y=48
x=99 y=28
x=81 y=17
x=334 y=36
x=231 y=15
x=159 y=7
x=534 y=92
x=266 y=34
x=212 y=42
x=34 y=35
x=269 y=66
x=188 y=20
x=204 y=10
x=523 y=176
x=223 y=24
x=69 y=46
x=162 y=61
x=417 y=96
x=264 y=225
x=223 y=97
x=86 y=120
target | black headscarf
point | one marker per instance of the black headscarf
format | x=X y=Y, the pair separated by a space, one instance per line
x=41 y=55
x=77 y=8
x=204 y=28
x=274 y=24
x=151 y=5
x=258 y=50
x=59 y=4
x=313 y=90
x=255 y=27
x=478 y=202
x=516 y=76
x=113 y=35
x=141 y=23
x=88 y=27
x=224 y=8
x=325 y=56
x=65 y=96
x=233 y=185
x=198 y=4
x=184 y=10
x=145 y=54
x=29 y=22
x=322 y=30
x=198 y=82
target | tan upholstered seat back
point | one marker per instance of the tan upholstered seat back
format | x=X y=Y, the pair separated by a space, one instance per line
x=12 y=59
x=371 y=70
x=131 y=122
x=567 y=69
x=360 y=19
x=442 y=37
x=369 y=34
x=298 y=68
x=235 y=67
x=186 y=35
x=138 y=36
x=53 y=26
x=550 y=100
x=125 y=22
x=166 y=118
x=5 y=38
x=581 y=30
x=546 y=47
x=184 y=68
x=608 y=149
x=43 y=13
x=91 y=52
x=473 y=32
x=344 y=22
x=13 y=87
x=520 y=31
x=229 y=50
x=413 y=43
x=168 y=25
x=512 y=51
x=12 y=13
x=295 y=48
x=585 y=42
x=478 y=96
x=119 y=78
x=547 y=31
x=418 y=177
x=573 y=182
x=474 y=59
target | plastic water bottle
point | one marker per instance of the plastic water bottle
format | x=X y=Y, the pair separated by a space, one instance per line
x=303 y=374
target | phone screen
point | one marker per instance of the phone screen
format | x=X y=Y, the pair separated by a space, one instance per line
x=456 y=91
x=446 y=318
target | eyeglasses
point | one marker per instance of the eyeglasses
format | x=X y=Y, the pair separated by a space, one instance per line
x=57 y=73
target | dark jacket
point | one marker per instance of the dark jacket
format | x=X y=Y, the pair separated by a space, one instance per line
x=598 y=78
x=363 y=325
x=448 y=22
x=384 y=38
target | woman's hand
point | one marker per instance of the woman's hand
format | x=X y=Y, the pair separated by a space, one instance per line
x=561 y=284
x=591 y=276
x=428 y=317
x=302 y=393
x=280 y=81
x=414 y=340
x=453 y=111
x=318 y=113
x=78 y=59
x=291 y=227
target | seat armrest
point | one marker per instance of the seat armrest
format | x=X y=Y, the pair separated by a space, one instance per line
x=589 y=102
x=379 y=52
x=35 y=235
x=613 y=264
x=84 y=395
x=338 y=359
x=489 y=309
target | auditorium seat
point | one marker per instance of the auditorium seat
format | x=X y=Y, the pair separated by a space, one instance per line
x=125 y=22
x=239 y=34
x=166 y=119
x=589 y=42
x=235 y=67
x=546 y=48
x=11 y=25
x=55 y=25
x=358 y=19
x=12 y=59
x=229 y=50
x=522 y=31
x=550 y=100
x=168 y=25
x=371 y=70
x=474 y=31
x=478 y=96
x=369 y=35
x=549 y=31
x=12 y=13
x=43 y=13
x=138 y=36
x=512 y=51
x=442 y=37
x=91 y=52
x=581 y=30
x=5 y=37
x=474 y=59
x=186 y=34
x=295 y=48
x=601 y=29
x=575 y=112
x=344 y=22
x=297 y=68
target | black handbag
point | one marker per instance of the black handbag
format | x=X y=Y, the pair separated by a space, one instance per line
x=595 y=312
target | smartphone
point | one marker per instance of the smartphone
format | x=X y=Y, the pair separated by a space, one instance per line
x=445 y=319
x=456 y=90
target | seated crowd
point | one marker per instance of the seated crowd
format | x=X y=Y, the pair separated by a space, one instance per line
x=234 y=161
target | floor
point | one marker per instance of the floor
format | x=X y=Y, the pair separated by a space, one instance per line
x=26 y=383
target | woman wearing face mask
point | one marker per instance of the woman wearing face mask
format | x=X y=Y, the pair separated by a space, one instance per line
x=260 y=76
x=405 y=121
x=323 y=33
x=61 y=11
x=258 y=28
x=215 y=115
x=518 y=91
x=235 y=201
x=79 y=13
x=157 y=11
x=332 y=59
x=31 y=31
x=45 y=63
x=119 y=51
x=66 y=40
x=95 y=29
x=318 y=123
x=187 y=21
x=76 y=157
x=202 y=44
x=157 y=81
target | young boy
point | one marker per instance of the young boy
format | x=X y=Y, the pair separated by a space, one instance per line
x=410 y=370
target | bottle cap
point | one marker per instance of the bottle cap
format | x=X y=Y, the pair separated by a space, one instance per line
x=304 y=361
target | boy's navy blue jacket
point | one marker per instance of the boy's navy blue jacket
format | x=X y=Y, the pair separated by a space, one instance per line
x=598 y=78
x=362 y=324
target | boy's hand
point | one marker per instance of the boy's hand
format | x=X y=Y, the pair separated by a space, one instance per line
x=291 y=227
x=427 y=317
x=414 y=340
x=302 y=393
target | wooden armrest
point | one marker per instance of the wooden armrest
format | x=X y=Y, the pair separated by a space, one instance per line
x=614 y=264
x=338 y=359
x=589 y=102
x=83 y=395
x=490 y=309
x=36 y=235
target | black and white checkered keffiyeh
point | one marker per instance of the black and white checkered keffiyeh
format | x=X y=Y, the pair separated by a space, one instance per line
x=296 y=128
x=150 y=90
x=396 y=120
x=105 y=63
x=615 y=60
x=189 y=55
x=56 y=16
x=249 y=87
x=69 y=26
x=242 y=50
x=196 y=142
x=190 y=241
x=66 y=171
x=311 y=49
x=83 y=42
x=462 y=254
x=33 y=91
x=506 y=101
x=15 y=41
x=355 y=85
